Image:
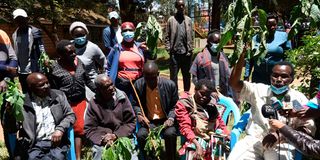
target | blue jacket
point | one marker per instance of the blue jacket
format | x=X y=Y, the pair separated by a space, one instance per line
x=275 y=53
x=109 y=37
x=113 y=60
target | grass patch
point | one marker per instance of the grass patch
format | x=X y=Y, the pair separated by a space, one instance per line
x=163 y=60
x=4 y=155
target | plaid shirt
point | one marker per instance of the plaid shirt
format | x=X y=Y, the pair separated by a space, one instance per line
x=202 y=68
x=72 y=85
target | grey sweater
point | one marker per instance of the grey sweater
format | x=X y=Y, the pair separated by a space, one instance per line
x=92 y=57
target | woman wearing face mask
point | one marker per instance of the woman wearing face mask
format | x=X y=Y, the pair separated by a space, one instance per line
x=125 y=61
x=213 y=65
x=68 y=75
x=89 y=53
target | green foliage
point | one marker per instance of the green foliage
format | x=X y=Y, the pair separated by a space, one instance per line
x=239 y=22
x=15 y=98
x=3 y=151
x=153 y=32
x=306 y=60
x=121 y=149
x=153 y=143
x=45 y=62
x=306 y=10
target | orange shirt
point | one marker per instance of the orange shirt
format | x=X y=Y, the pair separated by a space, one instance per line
x=130 y=63
x=153 y=104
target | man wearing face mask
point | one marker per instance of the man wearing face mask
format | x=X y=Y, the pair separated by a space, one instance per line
x=179 y=44
x=126 y=60
x=213 y=65
x=261 y=142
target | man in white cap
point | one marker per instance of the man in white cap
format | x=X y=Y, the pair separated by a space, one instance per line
x=112 y=33
x=28 y=45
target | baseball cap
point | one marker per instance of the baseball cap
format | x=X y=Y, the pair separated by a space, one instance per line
x=113 y=14
x=126 y=25
x=19 y=12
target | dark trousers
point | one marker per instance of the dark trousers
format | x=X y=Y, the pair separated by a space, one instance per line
x=125 y=86
x=23 y=82
x=43 y=150
x=182 y=61
x=169 y=135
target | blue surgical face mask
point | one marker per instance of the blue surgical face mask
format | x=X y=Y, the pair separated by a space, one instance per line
x=128 y=36
x=214 y=47
x=80 y=40
x=280 y=90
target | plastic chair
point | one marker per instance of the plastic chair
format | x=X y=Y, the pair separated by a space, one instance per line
x=12 y=138
x=231 y=107
x=240 y=127
x=72 y=151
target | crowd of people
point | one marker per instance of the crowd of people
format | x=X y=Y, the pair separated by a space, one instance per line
x=120 y=93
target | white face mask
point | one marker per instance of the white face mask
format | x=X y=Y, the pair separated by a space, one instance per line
x=214 y=47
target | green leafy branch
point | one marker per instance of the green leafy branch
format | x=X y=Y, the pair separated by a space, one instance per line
x=45 y=62
x=121 y=149
x=306 y=10
x=14 y=96
x=154 y=143
x=239 y=27
x=306 y=60
x=153 y=32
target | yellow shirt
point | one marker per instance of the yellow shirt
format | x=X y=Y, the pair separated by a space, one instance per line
x=153 y=104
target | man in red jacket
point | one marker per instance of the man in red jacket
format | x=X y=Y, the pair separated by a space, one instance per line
x=197 y=116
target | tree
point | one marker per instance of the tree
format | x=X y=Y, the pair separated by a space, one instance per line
x=306 y=58
x=52 y=11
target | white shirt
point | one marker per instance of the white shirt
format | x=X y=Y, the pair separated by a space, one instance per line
x=119 y=37
x=44 y=119
x=258 y=94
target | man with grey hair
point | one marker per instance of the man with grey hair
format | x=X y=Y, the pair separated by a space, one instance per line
x=112 y=33
x=109 y=116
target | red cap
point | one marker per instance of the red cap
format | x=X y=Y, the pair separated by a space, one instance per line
x=125 y=25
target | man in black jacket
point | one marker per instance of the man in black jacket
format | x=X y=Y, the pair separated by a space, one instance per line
x=158 y=97
x=47 y=118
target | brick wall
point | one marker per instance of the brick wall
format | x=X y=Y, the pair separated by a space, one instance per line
x=95 y=34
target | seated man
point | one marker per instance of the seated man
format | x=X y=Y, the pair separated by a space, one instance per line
x=158 y=97
x=109 y=116
x=197 y=116
x=261 y=142
x=47 y=118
